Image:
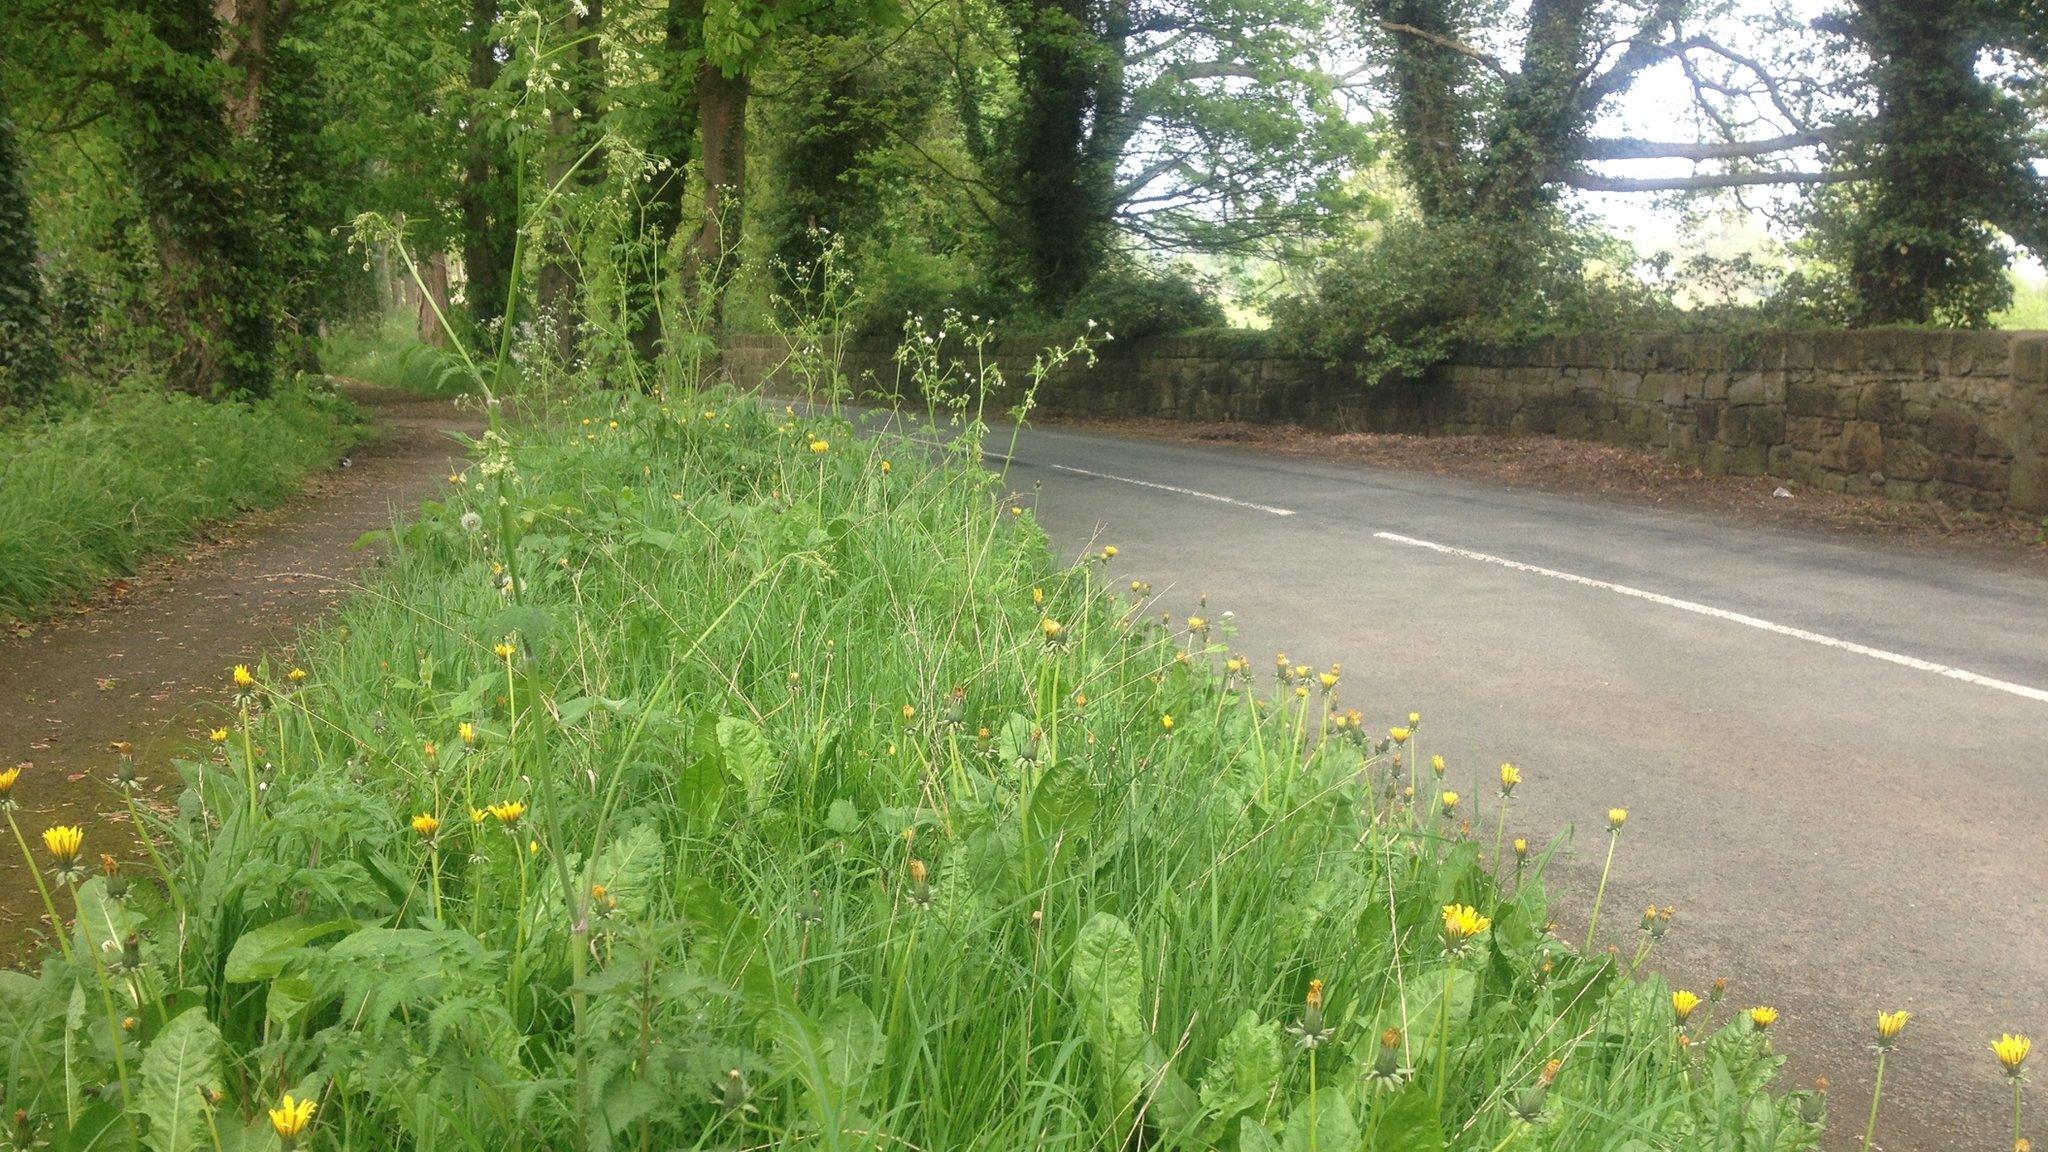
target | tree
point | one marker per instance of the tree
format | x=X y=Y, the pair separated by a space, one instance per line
x=25 y=359
x=1946 y=159
x=486 y=198
x=1191 y=125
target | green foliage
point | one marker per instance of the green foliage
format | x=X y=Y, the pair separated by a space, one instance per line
x=89 y=492
x=1417 y=293
x=389 y=352
x=26 y=364
x=827 y=838
x=1135 y=301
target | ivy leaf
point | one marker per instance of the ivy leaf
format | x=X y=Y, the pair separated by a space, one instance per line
x=183 y=1059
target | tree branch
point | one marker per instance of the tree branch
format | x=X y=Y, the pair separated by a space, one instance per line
x=1445 y=42
x=1596 y=182
x=1631 y=148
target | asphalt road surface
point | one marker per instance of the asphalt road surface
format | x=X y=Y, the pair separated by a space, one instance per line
x=1833 y=753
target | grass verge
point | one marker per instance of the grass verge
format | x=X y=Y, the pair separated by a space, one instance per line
x=87 y=493
x=387 y=351
x=706 y=776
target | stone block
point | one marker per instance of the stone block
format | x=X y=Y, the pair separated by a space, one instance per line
x=1747 y=390
x=1951 y=430
x=1908 y=460
x=1859 y=449
x=1983 y=475
x=1811 y=433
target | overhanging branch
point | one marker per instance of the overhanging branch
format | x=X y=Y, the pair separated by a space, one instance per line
x=1445 y=42
x=1631 y=148
x=1596 y=182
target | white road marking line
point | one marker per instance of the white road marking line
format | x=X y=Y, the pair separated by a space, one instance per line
x=1171 y=488
x=1915 y=662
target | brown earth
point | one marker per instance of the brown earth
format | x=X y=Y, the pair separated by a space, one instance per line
x=1586 y=467
x=146 y=659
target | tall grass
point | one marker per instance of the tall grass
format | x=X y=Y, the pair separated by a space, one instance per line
x=703 y=775
x=387 y=350
x=88 y=492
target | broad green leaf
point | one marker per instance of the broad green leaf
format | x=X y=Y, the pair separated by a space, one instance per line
x=1246 y=1070
x=183 y=1059
x=1327 y=1115
x=1407 y=1122
x=261 y=954
x=748 y=757
x=1106 y=980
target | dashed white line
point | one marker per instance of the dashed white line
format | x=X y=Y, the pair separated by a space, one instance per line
x=1905 y=661
x=1171 y=488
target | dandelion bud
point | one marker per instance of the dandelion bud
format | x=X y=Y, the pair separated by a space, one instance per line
x=1509 y=777
x=1616 y=817
x=1720 y=989
x=1521 y=849
x=920 y=886
x=1889 y=1025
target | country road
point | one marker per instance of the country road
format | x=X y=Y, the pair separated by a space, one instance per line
x=1833 y=753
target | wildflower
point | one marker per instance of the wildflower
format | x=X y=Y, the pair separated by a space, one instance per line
x=117 y=884
x=1449 y=800
x=218 y=735
x=1719 y=990
x=1616 y=817
x=1521 y=849
x=121 y=748
x=7 y=782
x=820 y=447
x=1109 y=551
x=1889 y=1025
x=1509 y=777
x=1387 y=1071
x=886 y=468
x=1436 y=766
x=1313 y=1030
x=910 y=712
x=1037 y=596
x=1052 y=628
x=291 y=1118
x=64 y=842
x=1763 y=1016
x=242 y=677
x=1329 y=679
x=503 y=649
x=1166 y=722
x=1683 y=1005
x=430 y=750
x=426 y=824
x=2012 y=1051
x=1529 y=1102
x=1198 y=625
x=476 y=815
x=1462 y=922
x=508 y=812
x=472 y=522
x=1400 y=735
x=296 y=675
x=467 y=732
x=920 y=883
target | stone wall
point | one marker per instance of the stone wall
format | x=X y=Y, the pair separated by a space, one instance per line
x=1960 y=417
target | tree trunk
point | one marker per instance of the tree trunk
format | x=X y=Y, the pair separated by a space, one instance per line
x=26 y=364
x=573 y=128
x=488 y=217
x=180 y=150
x=1060 y=197
x=673 y=145
x=722 y=142
x=433 y=303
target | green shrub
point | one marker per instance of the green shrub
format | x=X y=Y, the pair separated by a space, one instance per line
x=710 y=776
x=88 y=492
x=387 y=351
x=1134 y=302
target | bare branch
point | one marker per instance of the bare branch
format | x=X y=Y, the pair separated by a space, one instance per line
x=1596 y=182
x=1630 y=148
x=1445 y=42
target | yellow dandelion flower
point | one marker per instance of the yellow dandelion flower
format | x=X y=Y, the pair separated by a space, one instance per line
x=886 y=468
x=1450 y=802
x=218 y=735
x=426 y=824
x=296 y=675
x=503 y=649
x=1683 y=1004
x=509 y=812
x=2012 y=1052
x=1166 y=722
x=1509 y=777
x=1763 y=1016
x=1521 y=846
x=910 y=712
x=1037 y=596
x=1415 y=719
x=821 y=446
x=1461 y=923
x=467 y=731
x=476 y=815
x=292 y=1117
x=1400 y=735
x=1109 y=551
x=1328 y=680
x=1051 y=627
x=8 y=779
x=1890 y=1024
x=1616 y=817
x=64 y=841
x=242 y=677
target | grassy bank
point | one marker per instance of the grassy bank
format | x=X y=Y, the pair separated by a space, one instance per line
x=88 y=492
x=703 y=776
